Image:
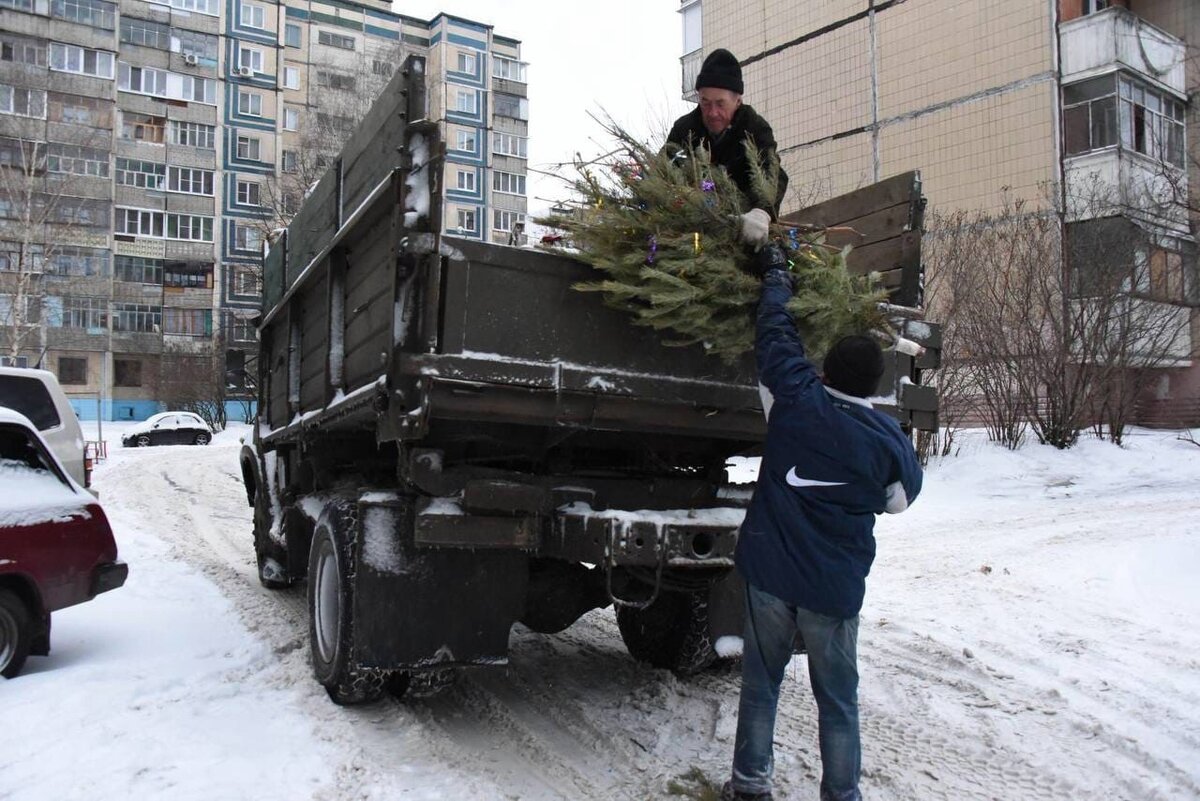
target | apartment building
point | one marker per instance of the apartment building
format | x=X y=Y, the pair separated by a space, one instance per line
x=990 y=101
x=148 y=149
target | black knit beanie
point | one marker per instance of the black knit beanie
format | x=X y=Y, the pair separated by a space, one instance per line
x=720 y=71
x=854 y=365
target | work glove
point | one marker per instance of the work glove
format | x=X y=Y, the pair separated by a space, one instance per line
x=755 y=227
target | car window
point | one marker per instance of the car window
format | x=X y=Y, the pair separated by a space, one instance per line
x=22 y=456
x=30 y=397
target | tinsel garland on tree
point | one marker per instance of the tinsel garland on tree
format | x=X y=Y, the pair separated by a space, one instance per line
x=664 y=230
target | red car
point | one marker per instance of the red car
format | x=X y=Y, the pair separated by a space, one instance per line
x=56 y=547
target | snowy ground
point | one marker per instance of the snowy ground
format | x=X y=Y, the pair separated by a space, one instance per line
x=1029 y=634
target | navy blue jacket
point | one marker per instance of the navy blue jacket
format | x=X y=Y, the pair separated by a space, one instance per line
x=831 y=464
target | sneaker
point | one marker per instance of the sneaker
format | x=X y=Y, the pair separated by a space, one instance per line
x=730 y=794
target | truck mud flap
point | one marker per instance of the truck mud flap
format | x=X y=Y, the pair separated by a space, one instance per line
x=420 y=608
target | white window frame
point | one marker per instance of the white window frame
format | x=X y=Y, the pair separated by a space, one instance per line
x=250 y=103
x=466 y=141
x=145 y=222
x=210 y=7
x=504 y=215
x=250 y=57
x=509 y=183
x=74 y=59
x=521 y=142
x=193 y=134
x=465 y=62
x=291 y=78
x=467 y=101
x=467 y=219
x=247 y=238
x=253 y=16
x=339 y=40
x=8 y=101
x=249 y=193
x=508 y=69
x=199 y=224
x=466 y=180
x=253 y=144
x=291 y=118
x=284 y=157
x=190 y=180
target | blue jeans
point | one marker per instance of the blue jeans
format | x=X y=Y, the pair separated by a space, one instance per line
x=771 y=625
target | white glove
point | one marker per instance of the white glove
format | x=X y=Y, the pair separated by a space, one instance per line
x=755 y=227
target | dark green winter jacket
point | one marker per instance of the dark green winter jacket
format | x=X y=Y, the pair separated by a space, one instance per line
x=729 y=150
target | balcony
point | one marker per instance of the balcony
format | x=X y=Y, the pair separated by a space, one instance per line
x=690 y=69
x=1115 y=182
x=1119 y=39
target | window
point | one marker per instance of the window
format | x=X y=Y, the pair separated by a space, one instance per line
x=332 y=39
x=247 y=237
x=509 y=69
x=201 y=45
x=508 y=183
x=145 y=33
x=509 y=145
x=139 y=222
x=80 y=211
x=511 y=106
x=248 y=193
x=466 y=220
x=190 y=227
x=128 y=372
x=73 y=261
x=1152 y=122
x=243 y=330
x=291 y=78
x=187 y=322
x=288 y=161
x=384 y=68
x=466 y=141
x=193 y=134
x=291 y=118
x=466 y=101
x=20 y=50
x=80 y=60
x=246 y=282
x=248 y=148
x=96 y=13
x=143 y=80
x=138 y=269
x=1168 y=280
x=11 y=260
x=210 y=7
x=250 y=103
x=249 y=57
x=19 y=5
x=1090 y=114
x=335 y=80
x=77 y=312
x=202 y=90
x=190 y=180
x=693 y=34
x=22 y=102
x=466 y=180
x=1094 y=6
x=76 y=160
x=254 y=16
x=504 y=220
x=143 y=174
x=193 y=275
x=72 y=370
x=465 y=62
x=93 y=111
x=291 y=34
x=142 y=127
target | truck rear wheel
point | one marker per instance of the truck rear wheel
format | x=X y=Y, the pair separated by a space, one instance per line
x=331 y=610
x=671 y=633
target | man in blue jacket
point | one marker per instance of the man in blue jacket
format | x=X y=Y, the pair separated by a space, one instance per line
x=831 y=464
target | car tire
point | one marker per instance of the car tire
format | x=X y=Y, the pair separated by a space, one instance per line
x=202 y=438
x=671 y=633
x=331 y=609
x=16 y=633
x=143 y=441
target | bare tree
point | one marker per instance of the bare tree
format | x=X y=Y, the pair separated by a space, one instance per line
x=194 y=381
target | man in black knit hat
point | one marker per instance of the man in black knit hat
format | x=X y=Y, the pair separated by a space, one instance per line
x=830 y=464
x=723 y=124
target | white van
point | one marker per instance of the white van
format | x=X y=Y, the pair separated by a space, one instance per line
x=37 y=395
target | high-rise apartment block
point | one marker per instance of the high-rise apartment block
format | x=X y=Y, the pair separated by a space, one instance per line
x=989 y=101
x=148 y=149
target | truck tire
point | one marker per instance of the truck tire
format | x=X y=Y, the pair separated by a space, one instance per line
x=671 y=633
x=16 y=633
x=331 y=609
x=270 y=556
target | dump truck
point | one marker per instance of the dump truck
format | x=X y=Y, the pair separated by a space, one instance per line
x=451 y=439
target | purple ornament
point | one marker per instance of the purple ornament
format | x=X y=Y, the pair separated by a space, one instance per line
x=707 y=185
x=653 y=248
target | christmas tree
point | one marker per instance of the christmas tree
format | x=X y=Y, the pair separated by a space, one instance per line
x=663 y=228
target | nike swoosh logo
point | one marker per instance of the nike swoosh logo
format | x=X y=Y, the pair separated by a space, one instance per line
x=795 y=481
